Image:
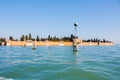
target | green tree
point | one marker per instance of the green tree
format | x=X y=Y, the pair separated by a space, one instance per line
x=72 y=37
x=92 y=40
x=96 y=40
x=37 y=39
x=26 y=37
x=2 y=39
x=30 y=36
x=49 y=38
x=11 y=38
x=33 y=39
x=104 y=40
x=22 y=38
x=88 y=40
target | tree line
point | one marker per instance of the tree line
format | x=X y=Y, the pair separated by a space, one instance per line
x=50 y=38
x=96 y=40
x=37 y=38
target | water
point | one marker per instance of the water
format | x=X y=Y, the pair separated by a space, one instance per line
x=60 y=63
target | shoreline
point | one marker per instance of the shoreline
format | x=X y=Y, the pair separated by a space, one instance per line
x=50 y=43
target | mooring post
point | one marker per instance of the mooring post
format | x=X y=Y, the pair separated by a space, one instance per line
x=34 y=46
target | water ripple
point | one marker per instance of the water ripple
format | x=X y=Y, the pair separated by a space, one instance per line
x=60 y=63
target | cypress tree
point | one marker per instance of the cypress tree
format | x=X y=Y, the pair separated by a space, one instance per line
x=30 y=36
x=37 y=39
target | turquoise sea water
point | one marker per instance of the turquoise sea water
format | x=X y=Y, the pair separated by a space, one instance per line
x=60 y=63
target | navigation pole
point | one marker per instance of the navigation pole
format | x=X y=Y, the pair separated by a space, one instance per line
x=75 y=45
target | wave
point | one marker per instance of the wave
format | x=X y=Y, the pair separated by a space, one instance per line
x=3 y=78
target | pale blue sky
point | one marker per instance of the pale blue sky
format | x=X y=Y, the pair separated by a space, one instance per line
x=96 y=18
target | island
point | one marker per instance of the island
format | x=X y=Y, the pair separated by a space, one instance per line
x=28 y=40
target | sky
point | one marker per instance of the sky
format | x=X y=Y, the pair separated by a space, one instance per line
x=95 y=18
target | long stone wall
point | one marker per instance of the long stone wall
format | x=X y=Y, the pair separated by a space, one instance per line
x=49 y=43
